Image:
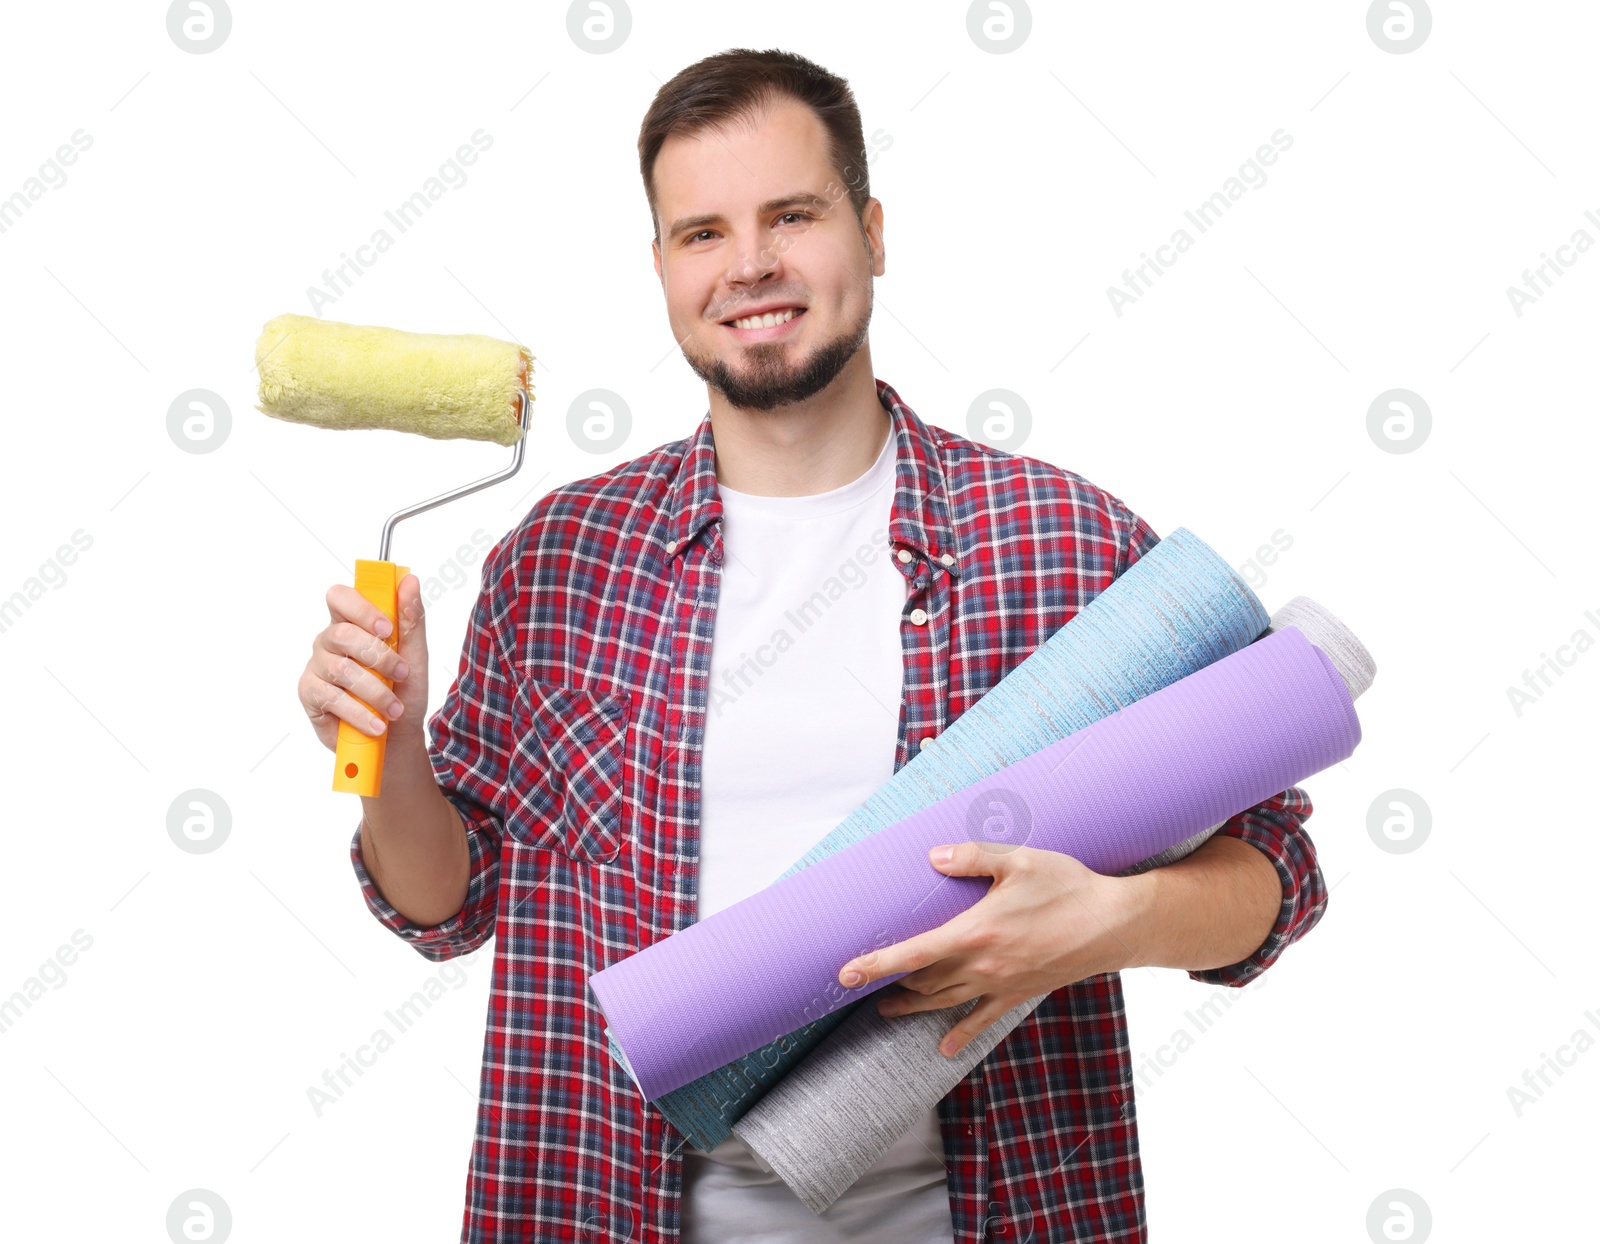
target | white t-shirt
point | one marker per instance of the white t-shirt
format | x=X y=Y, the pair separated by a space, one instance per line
x=802 y=723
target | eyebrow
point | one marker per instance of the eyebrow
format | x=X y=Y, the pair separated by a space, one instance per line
x=799 y=198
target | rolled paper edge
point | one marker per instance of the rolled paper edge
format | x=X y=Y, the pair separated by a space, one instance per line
x=1341 y=645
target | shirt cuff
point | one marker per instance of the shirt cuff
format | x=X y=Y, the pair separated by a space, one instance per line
x=470 y=927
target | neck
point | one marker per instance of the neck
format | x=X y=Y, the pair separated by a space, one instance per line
x=812 y=446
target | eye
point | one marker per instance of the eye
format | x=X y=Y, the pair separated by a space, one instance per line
x=695 y=237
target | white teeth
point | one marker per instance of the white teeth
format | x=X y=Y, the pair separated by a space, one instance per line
x=766 y=321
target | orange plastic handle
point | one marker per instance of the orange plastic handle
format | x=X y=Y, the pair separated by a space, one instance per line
x=358 y=758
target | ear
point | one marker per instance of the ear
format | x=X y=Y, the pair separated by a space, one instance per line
x=872 y=224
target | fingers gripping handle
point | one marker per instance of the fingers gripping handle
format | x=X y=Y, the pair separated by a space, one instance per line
x=358 y=766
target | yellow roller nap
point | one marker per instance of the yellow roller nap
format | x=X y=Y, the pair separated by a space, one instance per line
x=440 y=385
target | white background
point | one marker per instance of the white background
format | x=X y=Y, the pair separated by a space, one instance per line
x=176 y=1052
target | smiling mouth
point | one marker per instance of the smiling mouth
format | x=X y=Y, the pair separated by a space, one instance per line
x=770 y=320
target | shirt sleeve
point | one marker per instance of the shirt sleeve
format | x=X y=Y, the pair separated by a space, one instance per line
x=1277 y=829
x=469 y=755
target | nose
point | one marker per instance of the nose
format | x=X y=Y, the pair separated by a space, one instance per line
x=749 y=269
x=743 y=283
x=759 y=259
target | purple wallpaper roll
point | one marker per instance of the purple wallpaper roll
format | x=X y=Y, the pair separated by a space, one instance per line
x=1180 y=760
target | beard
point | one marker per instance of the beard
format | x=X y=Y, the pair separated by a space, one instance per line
x=766 y=381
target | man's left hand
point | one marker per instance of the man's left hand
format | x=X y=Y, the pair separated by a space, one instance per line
x=1047 y=921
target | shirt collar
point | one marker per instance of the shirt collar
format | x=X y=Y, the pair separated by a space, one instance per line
x=919 y=518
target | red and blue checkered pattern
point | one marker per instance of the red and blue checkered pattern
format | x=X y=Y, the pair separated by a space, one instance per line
x=570 y=744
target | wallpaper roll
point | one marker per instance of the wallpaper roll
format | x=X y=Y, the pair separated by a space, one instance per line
x=875 y=1078
x=1178 y=608
x=1143 y=779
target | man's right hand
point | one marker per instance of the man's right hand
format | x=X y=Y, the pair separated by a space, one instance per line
x=344 y=655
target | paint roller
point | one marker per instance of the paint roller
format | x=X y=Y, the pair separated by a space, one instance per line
x=441 y=385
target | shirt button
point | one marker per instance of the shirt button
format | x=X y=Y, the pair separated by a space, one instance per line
x=672 y=546
x=947 y=559
x=923 y=746
x=904 y=555
x=919 y=616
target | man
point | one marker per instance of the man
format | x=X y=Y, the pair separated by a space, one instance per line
x=683 y=672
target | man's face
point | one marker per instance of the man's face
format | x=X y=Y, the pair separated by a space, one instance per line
x=732 y=243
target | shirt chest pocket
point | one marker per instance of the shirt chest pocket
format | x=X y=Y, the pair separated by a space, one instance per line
x=566 y=773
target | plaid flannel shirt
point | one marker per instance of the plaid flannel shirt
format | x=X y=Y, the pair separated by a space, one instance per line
x=570 y=744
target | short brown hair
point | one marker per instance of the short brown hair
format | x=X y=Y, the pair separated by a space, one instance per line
x=741 y=83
